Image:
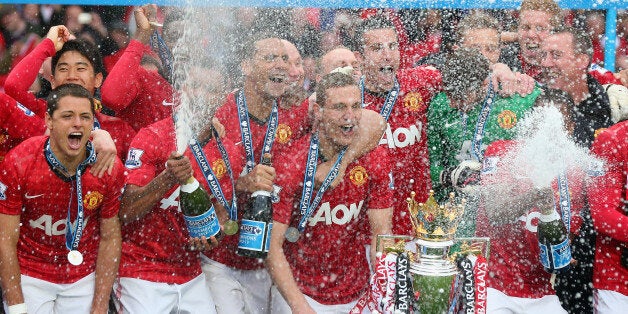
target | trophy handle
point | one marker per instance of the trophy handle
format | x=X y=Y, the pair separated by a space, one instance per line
x=484 y=244
x=391 y=241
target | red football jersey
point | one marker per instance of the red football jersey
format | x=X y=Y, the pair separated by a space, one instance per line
x=154 y=247
x=138 y=96
x=17 y=123
x=607 y=194
x=25 y=73
x=31 y=189
x=292 y=124
x=514 y=262
x=328 y=261
x=406 y=139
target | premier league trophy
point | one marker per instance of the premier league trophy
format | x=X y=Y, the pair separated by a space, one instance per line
x=433 y=271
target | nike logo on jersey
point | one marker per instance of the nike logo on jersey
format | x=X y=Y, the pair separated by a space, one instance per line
x=27 y=196
x=339 y=215
x=449 y=125
x=401 y=137
x=165 y=103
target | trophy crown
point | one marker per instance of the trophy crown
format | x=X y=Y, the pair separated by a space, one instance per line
x=435 y=222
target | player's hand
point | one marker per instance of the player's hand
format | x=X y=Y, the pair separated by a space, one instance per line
x=220 y=128
x=59 y=35
x=179 y=168
x=145 y=21
x=261 y=178
x=464 y=177
x=510 y=82
x=202 y=243
x=105 y=153
x=618 y=98
x=623 y=77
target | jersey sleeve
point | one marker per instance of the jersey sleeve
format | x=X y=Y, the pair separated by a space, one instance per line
x=10 y=186
x=380 y=189
x=606 y=191
x=25 y=73
x=123 y=84
x=19 y=122
x=142 y=158
x=111 y=204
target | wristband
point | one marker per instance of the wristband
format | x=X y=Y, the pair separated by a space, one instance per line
x=18 y=309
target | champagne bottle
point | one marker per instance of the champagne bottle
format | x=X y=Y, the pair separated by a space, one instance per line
x=555 y=251
x=257 y=223
x=198 y=211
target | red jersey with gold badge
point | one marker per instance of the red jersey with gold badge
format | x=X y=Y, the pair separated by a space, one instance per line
x=154 y=247
x=29 y=188
x=406 y=140
x=328 y=261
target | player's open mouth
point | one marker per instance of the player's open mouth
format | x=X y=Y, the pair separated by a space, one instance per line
x=347 y=128
x=74 y=140
x=532 y=46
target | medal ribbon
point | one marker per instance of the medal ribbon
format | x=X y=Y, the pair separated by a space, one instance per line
x=72 y=237
x=391 y=98
x=565 y=200
x=308 y=207
x=478 y=135
x=210 y=177
x=165 y=55
x=245 y=129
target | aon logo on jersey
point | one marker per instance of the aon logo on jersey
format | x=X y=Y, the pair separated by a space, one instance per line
x=51 y=228
x=401 y=137
x=339 y=215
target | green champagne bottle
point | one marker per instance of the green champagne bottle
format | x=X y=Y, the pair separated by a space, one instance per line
x=555 y=253
x=198 y=211
x=257 y=222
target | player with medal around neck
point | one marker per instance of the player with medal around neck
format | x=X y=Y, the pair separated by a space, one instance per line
x=54 y=220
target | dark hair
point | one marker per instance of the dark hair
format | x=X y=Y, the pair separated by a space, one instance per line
x=332 y=80
x=86 y=49
x=69 y=89
x=369 y=24
x=465 y=70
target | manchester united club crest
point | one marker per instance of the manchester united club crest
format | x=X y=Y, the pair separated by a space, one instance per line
x=507 y=119
x=92 y=200
x=598 y=131
x=358 y=175
x=220 y=168
x=3 y=138
x=413 y=101
x=283 y=133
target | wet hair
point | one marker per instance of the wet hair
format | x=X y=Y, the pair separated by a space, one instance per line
x=369 y=24
x=84 y=48
x=465 y=70
x=581 y=40
x=477 y=20
x=547 y=6
x=64 y=90
x=332 y=80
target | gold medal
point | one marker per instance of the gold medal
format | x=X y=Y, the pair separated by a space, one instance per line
x=292 y=234
x=75 y=257
x=231 y=227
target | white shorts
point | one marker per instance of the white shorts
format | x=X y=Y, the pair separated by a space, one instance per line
x=43 y=296
x=280 y=306
x=499 y=303
x=609 y=302
x=141 y=296
x=236 y=290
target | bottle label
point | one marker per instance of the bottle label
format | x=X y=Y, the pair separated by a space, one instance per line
x=560 y=255
x=267 y=244
x=252 y=235
x=203 y=225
